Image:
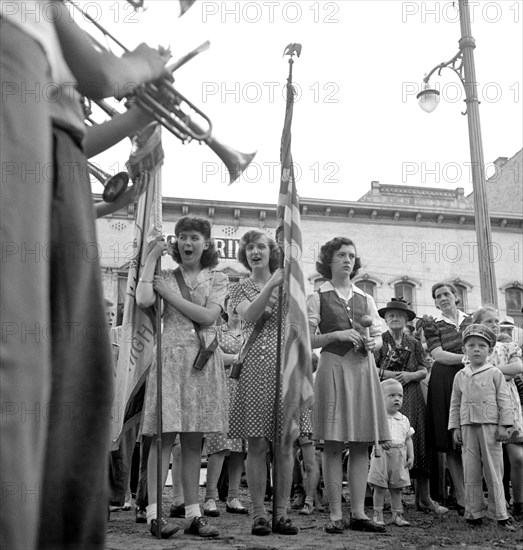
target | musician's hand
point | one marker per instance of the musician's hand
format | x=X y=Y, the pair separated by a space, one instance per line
x=151 y=60
x=386 y=445
x=456 y=436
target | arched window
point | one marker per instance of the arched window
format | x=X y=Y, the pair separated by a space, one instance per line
x=369 y=287
x=462 y=295
x=514 y=302
x=405 y=290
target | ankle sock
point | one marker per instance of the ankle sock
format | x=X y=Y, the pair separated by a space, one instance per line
x=192 y=511
x=151 y=512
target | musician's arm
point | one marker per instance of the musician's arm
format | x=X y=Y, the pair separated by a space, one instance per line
x=101 y=73
x=103 y=136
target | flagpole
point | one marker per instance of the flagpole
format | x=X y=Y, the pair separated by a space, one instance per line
x=159 y=475
x=277 y=420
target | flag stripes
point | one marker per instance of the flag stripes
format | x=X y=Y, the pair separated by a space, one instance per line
x=297 y=389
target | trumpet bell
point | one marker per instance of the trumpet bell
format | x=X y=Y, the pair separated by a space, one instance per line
x=115 y=186
x=235 y=161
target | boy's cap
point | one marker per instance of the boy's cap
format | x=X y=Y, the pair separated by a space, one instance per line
x=507 y=322
x=482 y=331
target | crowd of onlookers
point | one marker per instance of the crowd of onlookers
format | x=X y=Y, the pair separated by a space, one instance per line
x=57 y=368
x=399 y=420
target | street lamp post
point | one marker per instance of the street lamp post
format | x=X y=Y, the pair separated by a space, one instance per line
x=463 y=65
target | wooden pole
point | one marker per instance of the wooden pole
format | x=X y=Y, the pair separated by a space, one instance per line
x=159 y=426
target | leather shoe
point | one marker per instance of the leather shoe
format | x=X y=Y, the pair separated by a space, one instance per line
x=334 y=526
x=177 y=511
x=141 y=516
x=209 y=508
x=260 y=527
x=285 y=527
x=234 y=506
x=365 y=525
x=201 y=528
x=166 y=529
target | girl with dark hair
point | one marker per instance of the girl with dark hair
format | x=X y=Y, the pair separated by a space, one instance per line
x=195 y=400
x=344 y=384
x=444 y=342
x=252 y=412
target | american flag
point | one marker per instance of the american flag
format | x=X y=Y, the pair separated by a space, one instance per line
x=296 y=364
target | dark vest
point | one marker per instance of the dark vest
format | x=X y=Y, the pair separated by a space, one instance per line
x=336 y=316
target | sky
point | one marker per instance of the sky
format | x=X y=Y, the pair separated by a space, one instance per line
x=356 y=117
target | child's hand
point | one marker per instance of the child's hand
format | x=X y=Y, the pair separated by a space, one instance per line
x=456 y=436
x=410 y=462
x=502 y=434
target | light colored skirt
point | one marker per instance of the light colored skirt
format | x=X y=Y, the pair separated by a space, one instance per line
x=343 y=408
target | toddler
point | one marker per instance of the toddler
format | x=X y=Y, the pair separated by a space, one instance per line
x=391 y=469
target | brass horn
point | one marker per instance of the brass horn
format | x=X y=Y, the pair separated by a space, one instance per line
x=114 y=186
x=173 y=117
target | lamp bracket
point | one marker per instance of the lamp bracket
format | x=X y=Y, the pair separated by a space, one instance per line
x=456 y=65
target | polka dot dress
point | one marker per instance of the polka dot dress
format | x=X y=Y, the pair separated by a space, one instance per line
x=252 y=412
x=216 y=442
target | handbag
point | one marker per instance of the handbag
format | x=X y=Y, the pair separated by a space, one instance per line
x=205 y=352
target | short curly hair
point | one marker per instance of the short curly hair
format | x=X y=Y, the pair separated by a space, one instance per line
x=249 y=237
x=210 y=256
x=327 y=251
x=450 y=286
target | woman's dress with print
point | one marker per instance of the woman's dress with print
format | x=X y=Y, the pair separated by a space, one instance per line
x=192 y=400
x=409 y=357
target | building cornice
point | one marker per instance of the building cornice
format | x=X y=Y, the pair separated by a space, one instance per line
x=264 y=214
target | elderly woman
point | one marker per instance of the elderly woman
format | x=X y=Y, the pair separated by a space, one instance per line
x=401 y=358
x=444 y=341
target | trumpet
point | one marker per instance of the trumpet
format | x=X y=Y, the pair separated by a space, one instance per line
x=178 y=117
x=114 y=186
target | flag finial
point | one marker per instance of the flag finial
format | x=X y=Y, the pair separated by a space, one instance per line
x=293 y=49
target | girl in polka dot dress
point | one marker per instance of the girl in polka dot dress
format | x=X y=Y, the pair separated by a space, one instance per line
x=252 y=413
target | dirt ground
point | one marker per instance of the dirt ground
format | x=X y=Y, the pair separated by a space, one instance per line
x=426 y=532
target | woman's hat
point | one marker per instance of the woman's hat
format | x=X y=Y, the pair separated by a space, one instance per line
x=397 y=304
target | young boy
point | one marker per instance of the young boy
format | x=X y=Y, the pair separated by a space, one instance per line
x=480 y=415
x=391 y=469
